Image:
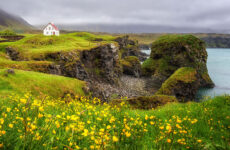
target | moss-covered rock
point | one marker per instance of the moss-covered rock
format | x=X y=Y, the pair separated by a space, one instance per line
x=131 y=66
x=171 y=52
x=147 y=102
x=183 y=84
x=127 y=47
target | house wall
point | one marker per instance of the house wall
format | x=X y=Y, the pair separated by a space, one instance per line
x=49 y=31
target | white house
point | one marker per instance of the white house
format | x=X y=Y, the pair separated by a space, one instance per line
x=51 y=29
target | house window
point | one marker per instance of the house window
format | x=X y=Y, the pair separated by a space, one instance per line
x=47 y=32
x=49 y=28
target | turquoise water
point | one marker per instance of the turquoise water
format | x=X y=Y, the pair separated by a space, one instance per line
x=219 y=70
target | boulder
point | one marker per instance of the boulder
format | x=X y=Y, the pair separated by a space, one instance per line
x=170 y=52
x=183 y=84
x=131 y=66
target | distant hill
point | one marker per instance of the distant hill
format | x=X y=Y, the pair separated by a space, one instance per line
x=10 y=21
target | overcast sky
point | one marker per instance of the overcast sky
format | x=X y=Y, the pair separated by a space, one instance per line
x=178 y=13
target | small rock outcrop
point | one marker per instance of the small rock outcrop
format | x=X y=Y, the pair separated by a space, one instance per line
x=172 y=52
x=183 y=84
x=131 y=66
x=12 y=53
x=129 y=48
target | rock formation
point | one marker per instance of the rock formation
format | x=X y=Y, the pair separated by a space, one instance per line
x=182 y=84
x=131 y=66
x=171 y=52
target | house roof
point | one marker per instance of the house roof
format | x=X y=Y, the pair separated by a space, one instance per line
x=55 y=27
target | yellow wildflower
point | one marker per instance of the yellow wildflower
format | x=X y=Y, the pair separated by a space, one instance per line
x=127 y=134
x=108 y=127
x=169 y=140
x=85 y=133
x=199 y=141
x=8 y=109
x=11 y=125
x=115 y=139
x=40 y=115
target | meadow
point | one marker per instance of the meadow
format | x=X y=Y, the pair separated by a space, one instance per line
x=70 y=123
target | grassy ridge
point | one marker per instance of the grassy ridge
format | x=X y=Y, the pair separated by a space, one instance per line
x=36 y=45
x=28 y=123
x=38 y=84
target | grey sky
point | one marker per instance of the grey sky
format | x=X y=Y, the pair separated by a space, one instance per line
x=178 y=13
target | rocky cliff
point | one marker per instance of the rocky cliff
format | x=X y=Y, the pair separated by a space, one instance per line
x=171 y=52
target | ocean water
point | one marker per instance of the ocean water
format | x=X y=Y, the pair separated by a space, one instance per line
x=219 y=70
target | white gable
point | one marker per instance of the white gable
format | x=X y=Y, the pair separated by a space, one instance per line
x=51 y=29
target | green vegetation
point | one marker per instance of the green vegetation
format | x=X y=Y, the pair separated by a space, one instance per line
x=176 y=41
x=131 y=65
x=159 y=66
x=171 y=52
x=39 y=84
x=39 y=66
x=7 y=33
x=146 y=102
x=184 y=79
x=36 y=46
x=184 y=74
x=28 y=123
x=130 y=61
x=148 y=66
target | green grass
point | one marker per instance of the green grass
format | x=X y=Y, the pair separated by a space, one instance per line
x=33 y=46
x=39 y=66
x=28 y=123
x=39 y=84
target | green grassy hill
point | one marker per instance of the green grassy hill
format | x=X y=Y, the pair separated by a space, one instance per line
x=34 y=46
x=39 y=84
x=32 y=50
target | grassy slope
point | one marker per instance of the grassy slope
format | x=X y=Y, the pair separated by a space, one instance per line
x=83 y=125
x=38 y=84
x=35 y=45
